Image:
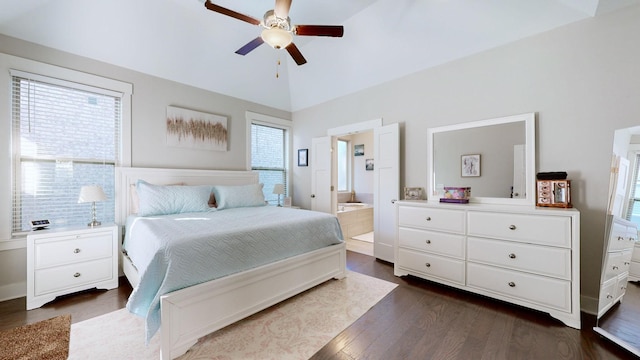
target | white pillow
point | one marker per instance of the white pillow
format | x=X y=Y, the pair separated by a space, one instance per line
x=239 y=196
x=164 y=200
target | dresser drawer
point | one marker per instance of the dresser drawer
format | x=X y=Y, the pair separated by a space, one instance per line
x=622 y=237
x=432 y=219
x=432 y=265
x=70 y=276
x=607 y=295
x=621 y=285
x=431 y=241
x=531 y=288
x=543 y=260
x=537 y=229
x=616 y=263
x=62 y=250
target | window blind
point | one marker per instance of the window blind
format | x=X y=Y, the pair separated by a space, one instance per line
x=633 y=207
x=65 y=136
x=268 y=158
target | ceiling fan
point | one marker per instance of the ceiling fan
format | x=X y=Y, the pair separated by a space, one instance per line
x=278 y=31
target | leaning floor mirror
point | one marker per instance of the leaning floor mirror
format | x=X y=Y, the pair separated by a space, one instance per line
x=619 y=300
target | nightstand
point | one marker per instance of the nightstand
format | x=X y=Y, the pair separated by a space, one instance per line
x=63 y=261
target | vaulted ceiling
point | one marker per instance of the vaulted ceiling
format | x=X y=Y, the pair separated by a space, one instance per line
x=181 y=40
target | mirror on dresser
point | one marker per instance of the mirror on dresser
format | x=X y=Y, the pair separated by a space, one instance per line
x=506 y=149
x=619 y=300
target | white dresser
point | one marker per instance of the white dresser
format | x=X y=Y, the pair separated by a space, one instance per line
x=621 y=238
x=62 y=261
x=520 y=254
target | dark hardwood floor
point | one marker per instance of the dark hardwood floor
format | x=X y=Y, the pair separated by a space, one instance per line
x=417 y=320
x=623 y=319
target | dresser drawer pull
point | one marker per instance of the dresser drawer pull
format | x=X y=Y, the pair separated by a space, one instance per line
x=428 y=218
x=512 y=256
x=632 y=239
x=624 y=288
x=428 y=241
x=512 y=284
x=620 y=238
x=76 y=274
x=609 y=296
x=615 y=267
x=427 y=265
x=512 y=227
x=76 y=251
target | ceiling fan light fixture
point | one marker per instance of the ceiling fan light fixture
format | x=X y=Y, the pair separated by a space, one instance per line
x=277 y=38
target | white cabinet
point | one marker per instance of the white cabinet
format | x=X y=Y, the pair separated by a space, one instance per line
x=62 y=261
x=617 y=262
x=524 y=255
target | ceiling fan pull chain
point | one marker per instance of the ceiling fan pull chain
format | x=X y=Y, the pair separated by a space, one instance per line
x=278 y=68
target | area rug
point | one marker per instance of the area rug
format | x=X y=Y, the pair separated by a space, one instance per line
x=44 y=340
x=294 y=329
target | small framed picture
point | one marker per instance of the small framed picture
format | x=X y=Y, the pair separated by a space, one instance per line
x=303 y=157
x=413 y=193
x=287 y=201
x=368 y=164
x=470 y=165
x=358 y=150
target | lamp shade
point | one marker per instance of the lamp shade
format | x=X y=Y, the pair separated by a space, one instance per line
x=277 y=38
x=91 y=193
x=278 y=189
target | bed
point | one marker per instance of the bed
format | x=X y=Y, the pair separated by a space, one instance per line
x=201 y=305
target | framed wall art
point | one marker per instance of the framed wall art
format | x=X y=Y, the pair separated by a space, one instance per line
x=470 y=165
x=196 y=129
x=303 y=157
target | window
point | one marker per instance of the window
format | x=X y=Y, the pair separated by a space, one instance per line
x=344 y=165
x=65 y=135
x=269 y=156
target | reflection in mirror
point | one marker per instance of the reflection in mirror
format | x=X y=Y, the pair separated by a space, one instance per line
x=506 y=149
x=619 y=301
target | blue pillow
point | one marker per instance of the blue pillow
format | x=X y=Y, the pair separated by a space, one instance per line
x=171 y=199
x=239 y=196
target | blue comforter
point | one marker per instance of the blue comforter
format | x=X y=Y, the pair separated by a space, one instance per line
x=172 y=252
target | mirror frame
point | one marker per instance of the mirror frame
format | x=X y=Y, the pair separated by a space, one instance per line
x=530 y=158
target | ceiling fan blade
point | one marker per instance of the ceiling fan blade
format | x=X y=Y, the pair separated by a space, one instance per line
x=282 y=8
x=250 y=46
x=224 y=11
x=320 y=30
x=292 y=49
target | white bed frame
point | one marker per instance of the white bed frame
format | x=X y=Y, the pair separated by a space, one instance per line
x=190 y=313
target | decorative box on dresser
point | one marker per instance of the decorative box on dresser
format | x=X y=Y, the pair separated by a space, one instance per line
x=621 y=239
x=525 y=255
x=62 y=261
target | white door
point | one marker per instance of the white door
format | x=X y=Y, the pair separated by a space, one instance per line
x=519 y=172
x=386 y=185
x=321 y=174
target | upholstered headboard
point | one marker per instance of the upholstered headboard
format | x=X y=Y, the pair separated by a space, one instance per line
x=126 y=178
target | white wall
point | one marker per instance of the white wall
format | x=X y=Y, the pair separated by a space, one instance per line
x=151 y=95
x=582 y=80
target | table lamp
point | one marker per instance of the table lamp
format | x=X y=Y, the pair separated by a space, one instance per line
x=92 y=193
x=279 y=190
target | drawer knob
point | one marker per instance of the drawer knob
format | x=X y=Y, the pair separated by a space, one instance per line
x=427 y=265
x=512 y=227
x=512 y=256
x=428 y=241
x=76 y=251
x=76 y=274
x=609 y=296
x=627 y=263
x=620 y=238
x=615 y=267
x=512 y=284
x=428 y=218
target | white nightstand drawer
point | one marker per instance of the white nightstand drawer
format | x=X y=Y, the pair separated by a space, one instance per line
x=62 y=250
x=538 y=229
x=431 y=241
x=70 y=276
x=550 y=292
x=543 y=260
x=432 y=219
x=432 y=265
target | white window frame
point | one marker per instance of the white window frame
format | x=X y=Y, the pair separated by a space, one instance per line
x=266 y=120
x=12 y=65
x=349 y=161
